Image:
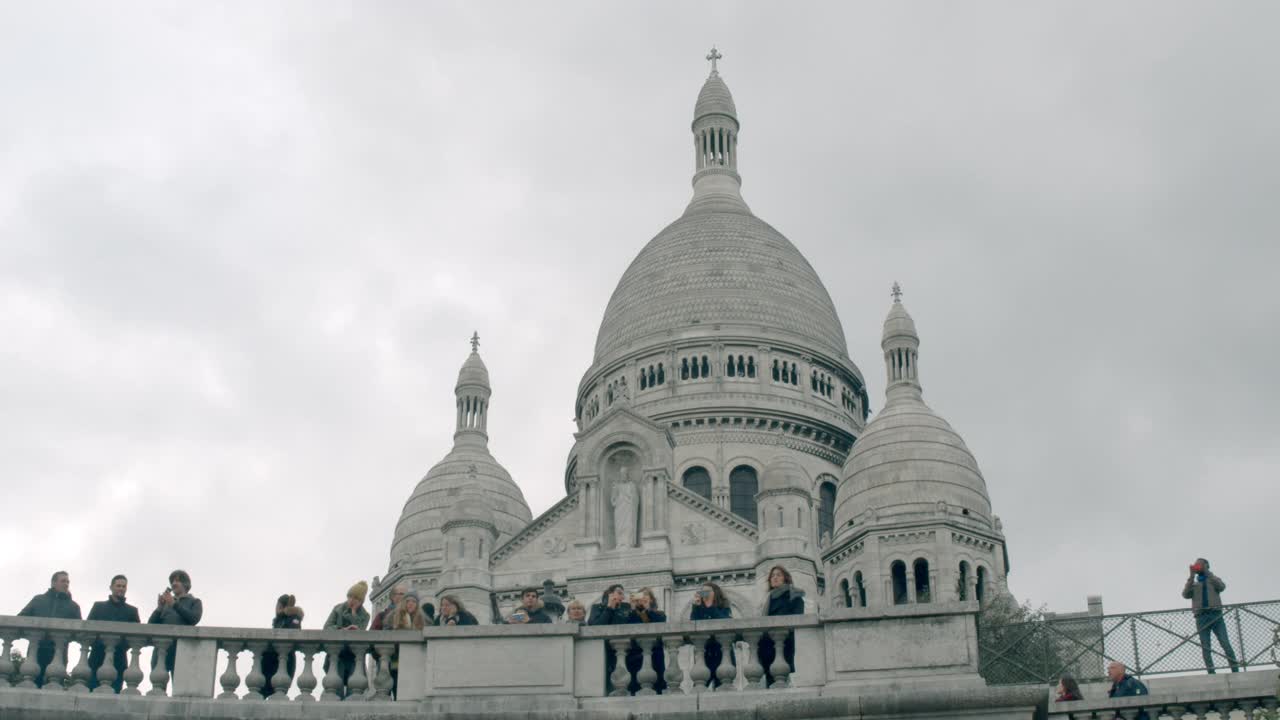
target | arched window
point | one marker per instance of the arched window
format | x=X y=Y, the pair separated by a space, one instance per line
x=694 y=369
x=644 y=380
x=742 y=491
x=981 y=590
x=662 y=374
x=920 y=568
x=827 y=509
x=962 y=583
x=742 y=367
x=706 y=367
x=898 y=571
x=730 y=368
x=684 y=369
x=698 y=480
x=861 y=588
x=795 y=376
x=776 y=374
x=813 y=381
x=781 y=522
x=751 y=367
x=844 y=590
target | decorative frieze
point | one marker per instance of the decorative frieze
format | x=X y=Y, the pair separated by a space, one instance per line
x=908 y=538
x=971 y=541
x=737 y=576
x=850 y=551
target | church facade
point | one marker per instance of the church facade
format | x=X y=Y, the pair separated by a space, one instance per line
x=722 y=428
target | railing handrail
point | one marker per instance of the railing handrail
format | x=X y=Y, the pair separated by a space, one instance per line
x=1079 y=619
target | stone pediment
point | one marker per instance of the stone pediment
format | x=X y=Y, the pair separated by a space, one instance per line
x=621 y=416
x=539 y=536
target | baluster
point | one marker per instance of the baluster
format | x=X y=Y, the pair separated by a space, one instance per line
x=133 y=674
x=30 y=668
x=159 y=671
x=55 y=674
x=359 y=682
x=81 y=674
x=1129 y=713
x=700 y=673
x=647 y=676
x=674 y=675
x=332 y=680
x=779 y=669
x=1176 y=711
x=727 y=673
x=620 y=678
x=753 y=670
x=256 y=679
x=107 y=672
x=1247 y=707
x=1199 y=709
x=307 y=678
x=382 y=681
x=230 y=679
x=281 y=681
x=6 y=667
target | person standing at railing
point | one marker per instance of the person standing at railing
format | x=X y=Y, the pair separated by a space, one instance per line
x=709 y=603
x=408 y=616
x=610 y=610
x=1204 y=589
x=530 y=611
x=1125 y=685
x=396 y=595
x=575 y=612
x=55 y=602
x=783 y=599
x=288 y=617
x=113 y=609
x=1068 y=689
x=644 y=609
x=349 y=615
x=176 y=606
x=453 y=612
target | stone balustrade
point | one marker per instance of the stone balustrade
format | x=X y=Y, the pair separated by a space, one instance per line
x=1247 y=696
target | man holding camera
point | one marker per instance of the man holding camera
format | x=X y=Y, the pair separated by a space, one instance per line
x=531 y=610
x=1202 y=589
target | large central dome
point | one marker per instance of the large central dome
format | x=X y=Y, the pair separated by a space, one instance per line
x=711 y=269
x=718 y=267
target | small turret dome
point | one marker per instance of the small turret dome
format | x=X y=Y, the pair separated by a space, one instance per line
x=785 y=474
x=714 y=99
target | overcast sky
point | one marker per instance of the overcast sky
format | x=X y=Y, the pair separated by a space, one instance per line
x=242 y=247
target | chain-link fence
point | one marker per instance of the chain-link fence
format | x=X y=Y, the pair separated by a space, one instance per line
x=1149 y=643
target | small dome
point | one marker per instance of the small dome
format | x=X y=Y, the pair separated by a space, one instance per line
x=473 y=371
x=899 y=325
x=714 y=99
x=785 y=474
x=471 y=508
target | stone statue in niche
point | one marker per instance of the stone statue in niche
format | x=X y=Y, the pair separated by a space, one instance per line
x=623 y=499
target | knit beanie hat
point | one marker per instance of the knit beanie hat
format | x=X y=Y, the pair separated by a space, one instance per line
x=359 y=590
x=414 y=594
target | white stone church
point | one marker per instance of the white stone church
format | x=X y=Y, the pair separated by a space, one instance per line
x=722 y=429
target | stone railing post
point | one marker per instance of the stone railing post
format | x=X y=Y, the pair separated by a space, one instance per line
x=674 y=675
x=159 y=665
x=6 y=667
x=727 y=673
x=647 y=676
x=230 y=679
x=256 y=679
x=55 y=674
x=133 y=674
x=281 y=681
x=753 y=670
x=382 y=682
x=779 y=669
x=358 y=683
x=30 y=669
x=332 y=679
x=700 y=674
x=307 y=678
x=620 y=678
x=81 y=674
x=107 y=672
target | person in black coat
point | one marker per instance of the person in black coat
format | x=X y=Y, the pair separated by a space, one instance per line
x=783 y=599
x=531 y=610
x=176 y=606
x=710 y=604
x=611 y=610
x=644 y=609
x=55 y=602
x=288 y=617
x=452 y=612
x=113 y=609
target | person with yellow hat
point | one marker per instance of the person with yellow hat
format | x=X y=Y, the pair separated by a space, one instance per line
x=349 y=615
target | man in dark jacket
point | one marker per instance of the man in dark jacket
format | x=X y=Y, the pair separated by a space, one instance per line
x=55 y=602
x=531 y=611
x=1125 y=685
x=288 y=617
x=113 y=609
x=176 y=606
x=1202 y=589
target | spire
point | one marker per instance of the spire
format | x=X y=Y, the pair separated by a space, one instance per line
x=716 y=183
x=901 y=345
x=472 y=393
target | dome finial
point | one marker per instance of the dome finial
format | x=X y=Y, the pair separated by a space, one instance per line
x=896 y=292
x=475 y=341
x=713 y=56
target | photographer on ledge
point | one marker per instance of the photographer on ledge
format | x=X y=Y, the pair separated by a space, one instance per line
x=1202 y=589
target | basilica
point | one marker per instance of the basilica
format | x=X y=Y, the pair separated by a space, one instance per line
x=722 y=428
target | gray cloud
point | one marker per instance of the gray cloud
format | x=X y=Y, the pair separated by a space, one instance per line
x=241 y=250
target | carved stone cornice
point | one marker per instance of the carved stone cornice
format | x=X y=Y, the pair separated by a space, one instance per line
x=849 y=551
x=533 y=529
x=907 y=538
x=972 y=541
x=735 y=576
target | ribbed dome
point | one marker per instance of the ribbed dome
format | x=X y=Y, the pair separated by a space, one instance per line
x=438 y=496
x=473 y=371
x=719 y=268
x=714 y=99
x=785 y=474
x=898 y=325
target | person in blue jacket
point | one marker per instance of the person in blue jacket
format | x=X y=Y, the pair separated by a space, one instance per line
x=709 y=603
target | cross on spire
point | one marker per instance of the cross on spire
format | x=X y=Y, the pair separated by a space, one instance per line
x=713 y=56
x=896 y=292
x=475 y=342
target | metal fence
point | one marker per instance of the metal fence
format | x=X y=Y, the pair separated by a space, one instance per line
x=1149 y=643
